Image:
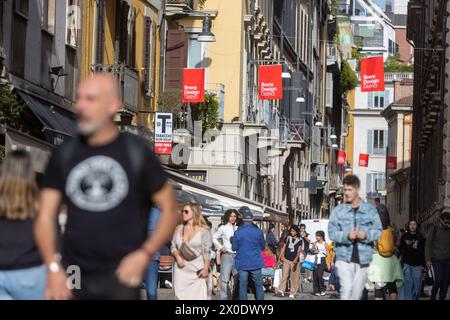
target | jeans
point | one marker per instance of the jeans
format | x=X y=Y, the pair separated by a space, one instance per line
x=334 y=279
x=268 y=272
x=151 y=280
x=352 y=279
x=23 y=284
x=256 y=277
x=412 y=284
x=318 y=283
x=442 y=279
x=227 y=270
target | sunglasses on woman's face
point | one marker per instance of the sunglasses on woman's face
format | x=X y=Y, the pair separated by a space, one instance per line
x=446 y=222
x=185 y=211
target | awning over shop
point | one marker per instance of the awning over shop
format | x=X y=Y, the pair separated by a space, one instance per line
x=40 y=151
x=215 y=201
x=54 y=118
x=214 y=204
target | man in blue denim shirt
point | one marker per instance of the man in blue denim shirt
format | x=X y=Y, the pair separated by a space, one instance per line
x=353 y=227
x=151 y=279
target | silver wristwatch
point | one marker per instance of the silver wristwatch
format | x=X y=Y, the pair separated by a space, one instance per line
x=55 y=265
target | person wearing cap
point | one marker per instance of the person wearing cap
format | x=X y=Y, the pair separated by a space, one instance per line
x=248 y=243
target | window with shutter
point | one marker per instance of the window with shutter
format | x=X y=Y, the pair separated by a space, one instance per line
x=315 y=150
x=72 y=22
x=124 y=12
x=147 y=54
x=100 y=32
x=176 y=58
x=386 y=98
x=369 y=183
x=370 y=142
x=131 y=55
x=370 y=100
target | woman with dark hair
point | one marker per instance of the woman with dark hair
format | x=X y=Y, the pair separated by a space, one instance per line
x=222 y=240
x=22 y=274
x=385 y=272
x=290 y=258
x=321 y=250
x=412 y=254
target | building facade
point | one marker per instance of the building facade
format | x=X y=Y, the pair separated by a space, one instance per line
x=399 y=118
x=41 y=58
x=430 y=181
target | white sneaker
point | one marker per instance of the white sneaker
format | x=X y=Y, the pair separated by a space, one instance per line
x=323 y=293
x=292 y=296
x=168 y=284
x=317 y=294
x=279 y=293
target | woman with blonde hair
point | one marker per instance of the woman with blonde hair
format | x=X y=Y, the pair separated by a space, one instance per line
x=22 y=274
x=191 y=247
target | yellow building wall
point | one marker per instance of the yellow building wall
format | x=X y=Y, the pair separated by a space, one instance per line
x=141 y=6
x=349 y=141
x=226 y=53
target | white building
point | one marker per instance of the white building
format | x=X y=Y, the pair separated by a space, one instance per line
x=371 y=135
x=372 y=29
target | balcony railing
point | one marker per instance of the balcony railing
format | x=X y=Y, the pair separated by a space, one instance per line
x=179 y=5
x=392 y=76
x=129 y=82
x=297 y=131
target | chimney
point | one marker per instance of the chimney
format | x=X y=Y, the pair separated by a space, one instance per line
x=389 y=9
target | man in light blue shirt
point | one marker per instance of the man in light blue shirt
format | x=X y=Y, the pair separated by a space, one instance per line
x=151 y=279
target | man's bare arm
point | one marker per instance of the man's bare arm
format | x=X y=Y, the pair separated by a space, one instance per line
x=45 y=224
x=45 y=234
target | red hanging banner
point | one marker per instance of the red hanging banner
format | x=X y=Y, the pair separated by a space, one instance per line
x=341 y=157
x=392 y=163
x=270 y=83
x=363 y=160
x=372 y=74
x=193 y=85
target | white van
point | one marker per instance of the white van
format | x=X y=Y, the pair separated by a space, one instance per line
x=314 y=225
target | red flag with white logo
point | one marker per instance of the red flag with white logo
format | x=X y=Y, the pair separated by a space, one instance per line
x=270 y=84
x=193 y=85
x=372 y=74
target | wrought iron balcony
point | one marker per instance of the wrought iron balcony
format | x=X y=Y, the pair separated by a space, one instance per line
x=129 y=81
x=174 y=6
x=297 y=131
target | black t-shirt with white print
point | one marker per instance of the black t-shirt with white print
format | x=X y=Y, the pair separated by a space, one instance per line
x=108 y=203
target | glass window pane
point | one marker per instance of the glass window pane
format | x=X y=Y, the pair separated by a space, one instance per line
x=194 y=53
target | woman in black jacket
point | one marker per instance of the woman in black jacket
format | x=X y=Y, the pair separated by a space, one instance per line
x=412 y=250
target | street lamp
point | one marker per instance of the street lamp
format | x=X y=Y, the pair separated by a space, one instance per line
x=300 y=97
x=285 y=74
x=206 y=35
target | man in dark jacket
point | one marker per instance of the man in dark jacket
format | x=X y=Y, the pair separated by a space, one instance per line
x=248 y=242
x=437 y=254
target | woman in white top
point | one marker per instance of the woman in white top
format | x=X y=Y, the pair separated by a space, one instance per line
x=321 y=250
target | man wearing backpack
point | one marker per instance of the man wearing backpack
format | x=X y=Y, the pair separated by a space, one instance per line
x=353 y=227
x=437 y=255
x=109 y=181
